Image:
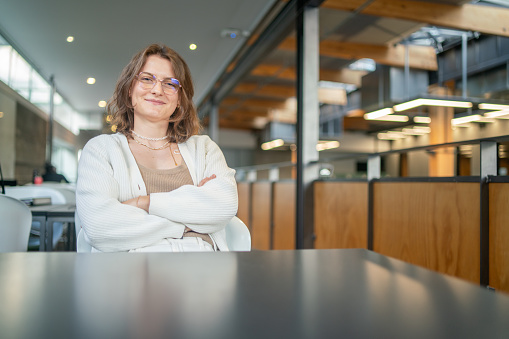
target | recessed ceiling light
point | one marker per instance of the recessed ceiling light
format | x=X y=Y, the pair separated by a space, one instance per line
x=102 y=103
x=70 y=38
x=192 y=47
x=1 y=115
x=91 y=81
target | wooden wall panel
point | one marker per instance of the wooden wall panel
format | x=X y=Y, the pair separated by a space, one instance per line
x=261 y=215
x=244 y=191
x=432 y=224
x=284 y=216
x=499 y=236
x=341 y=214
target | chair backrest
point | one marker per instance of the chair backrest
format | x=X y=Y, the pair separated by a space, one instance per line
x=82 y=245
x=15 y=223
x=238 y=237
x=32 y=191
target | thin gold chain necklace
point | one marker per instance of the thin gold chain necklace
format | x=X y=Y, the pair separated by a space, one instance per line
x=166 y=144
x=171 y=152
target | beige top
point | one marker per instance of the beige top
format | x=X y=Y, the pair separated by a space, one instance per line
x=167 y=180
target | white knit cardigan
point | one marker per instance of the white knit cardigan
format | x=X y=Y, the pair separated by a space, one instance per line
x=108 y=175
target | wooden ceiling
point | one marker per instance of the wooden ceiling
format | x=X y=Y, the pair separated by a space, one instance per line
x=351 y=30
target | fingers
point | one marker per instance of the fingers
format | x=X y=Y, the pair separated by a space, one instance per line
x=205 y=180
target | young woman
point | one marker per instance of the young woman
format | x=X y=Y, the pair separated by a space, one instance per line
x=155 y=185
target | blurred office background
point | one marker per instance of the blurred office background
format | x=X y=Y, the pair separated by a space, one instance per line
x=59 y=64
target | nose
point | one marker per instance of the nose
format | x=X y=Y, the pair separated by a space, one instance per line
x=158 y=88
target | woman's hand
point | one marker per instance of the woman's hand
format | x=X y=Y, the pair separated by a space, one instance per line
x=207 y=179
x=143 y=202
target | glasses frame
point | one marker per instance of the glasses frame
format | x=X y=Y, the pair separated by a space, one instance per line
x=173 y=80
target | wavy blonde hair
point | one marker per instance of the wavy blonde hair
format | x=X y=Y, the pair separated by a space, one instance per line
x=183 y=123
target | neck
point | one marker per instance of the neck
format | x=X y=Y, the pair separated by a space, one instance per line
x=151 y=130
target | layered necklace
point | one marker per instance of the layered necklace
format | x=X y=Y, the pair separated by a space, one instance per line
x=165 y=145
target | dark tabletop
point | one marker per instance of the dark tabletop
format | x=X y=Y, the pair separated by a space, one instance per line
x=261 y=294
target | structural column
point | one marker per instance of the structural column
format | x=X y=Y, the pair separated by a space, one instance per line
x=441 y=161
x=49 y=137
x=307 y=120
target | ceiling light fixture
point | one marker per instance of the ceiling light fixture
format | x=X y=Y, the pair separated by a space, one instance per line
x=324 y=145
x=493 y=106
x=91 y=81
x=391 y=135
x=392 y=117
x=70 y=38
x=504 y=114
x=377 y=114
x=192 y=47
x=465 y=120
x=102 y=103
x=422 y=120
x=423 y=129
x=411 y=131
x=272 y=144
x=431 y=102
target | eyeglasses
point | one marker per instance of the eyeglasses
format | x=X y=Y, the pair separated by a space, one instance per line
x=148 y=81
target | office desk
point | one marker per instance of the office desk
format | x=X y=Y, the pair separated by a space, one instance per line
x=272 y=294
x=47 y=215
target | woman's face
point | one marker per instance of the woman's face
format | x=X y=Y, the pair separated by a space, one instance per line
x=153 y=104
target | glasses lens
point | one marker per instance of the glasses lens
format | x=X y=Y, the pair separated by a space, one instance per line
x=171 y=85
x=146 y=79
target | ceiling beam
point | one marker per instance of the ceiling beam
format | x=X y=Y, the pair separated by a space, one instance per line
x=420 y=57
x=484 y=19
x=276 y=71
x=265 y=103
x=247 y=112
x=347 y=76
x=276 y=91
x=237 y=125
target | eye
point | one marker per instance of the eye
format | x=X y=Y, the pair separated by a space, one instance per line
x=170 y=84
x=146 y=77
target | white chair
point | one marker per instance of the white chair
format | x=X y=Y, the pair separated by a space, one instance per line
x=238 y=237
x=68 y=190
x=82 y=245
x=59 y=196
x=33 y=191
x=15 y=223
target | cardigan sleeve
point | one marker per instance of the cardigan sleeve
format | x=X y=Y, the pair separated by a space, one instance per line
x=109 y=224
x=204 y=209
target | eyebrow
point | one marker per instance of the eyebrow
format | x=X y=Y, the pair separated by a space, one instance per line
x=170 y=77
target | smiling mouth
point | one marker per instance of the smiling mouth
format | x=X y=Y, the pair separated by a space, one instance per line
x=155 y=102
